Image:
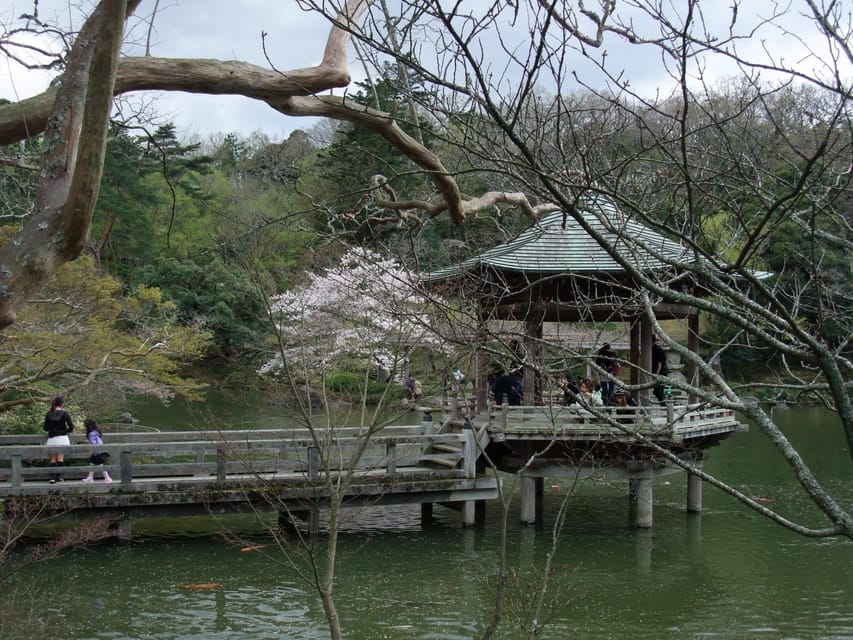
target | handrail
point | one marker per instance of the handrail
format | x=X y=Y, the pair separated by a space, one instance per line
x=212 y=434
x=179 y=447
x=388 y=453
x=668 y=420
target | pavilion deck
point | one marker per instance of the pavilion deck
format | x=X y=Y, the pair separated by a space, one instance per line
x=624 y=443
x=674 y=424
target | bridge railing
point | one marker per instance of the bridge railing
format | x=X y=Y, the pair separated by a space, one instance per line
x=115 y=435
x=214 y=457
x=672 y=421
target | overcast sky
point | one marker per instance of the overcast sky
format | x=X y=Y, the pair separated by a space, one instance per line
x=231 y=30
x=222 y=29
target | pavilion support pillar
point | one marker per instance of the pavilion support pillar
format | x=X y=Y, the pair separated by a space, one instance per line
x=314 y=520
x=125 y=530
x=288 y=523
x=635 y=354
x=469 y=513
x=426 y=513
x=646 y=359
x=533 y=348
x=481 y=363
x=528 y=499
x=641 y=501
x=692 y=371
x=694 y=493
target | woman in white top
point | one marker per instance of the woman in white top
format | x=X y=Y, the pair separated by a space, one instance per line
x=588 y=396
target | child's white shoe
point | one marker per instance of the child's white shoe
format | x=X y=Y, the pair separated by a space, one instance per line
x=87 y=479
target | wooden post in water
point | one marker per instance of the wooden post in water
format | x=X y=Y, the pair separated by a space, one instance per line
x=313 y=473
x=694 y=493
x=645 y=502
x=528 y=500
x=124 y=528
x=426 y=513
x=427 y=425
x=288 y=520
x=640 y=494
x=632 y=501
x=469 y=450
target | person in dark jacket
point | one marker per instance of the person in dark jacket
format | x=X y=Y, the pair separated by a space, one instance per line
x=659 y=368
x=509 y=386
x=58 y=425
x=606 y=359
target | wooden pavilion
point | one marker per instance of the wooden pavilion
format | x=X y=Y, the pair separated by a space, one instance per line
x=557 y=271
x=561 y=270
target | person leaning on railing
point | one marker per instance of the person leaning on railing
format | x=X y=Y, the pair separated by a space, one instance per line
x=588 y=396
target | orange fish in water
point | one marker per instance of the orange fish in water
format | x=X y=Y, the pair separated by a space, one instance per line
x=765 y=499
x=257 y=547
x=202 y=585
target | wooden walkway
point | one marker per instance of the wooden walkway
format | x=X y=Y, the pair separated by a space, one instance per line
x=198 y=472
x=187 y=473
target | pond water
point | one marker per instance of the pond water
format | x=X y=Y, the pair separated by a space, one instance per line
x=728 y=573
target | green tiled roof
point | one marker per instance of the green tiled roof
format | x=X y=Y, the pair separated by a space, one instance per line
x=559 y=244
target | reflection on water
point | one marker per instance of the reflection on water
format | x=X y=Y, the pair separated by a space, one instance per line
x=251 y=409
x=725 y=574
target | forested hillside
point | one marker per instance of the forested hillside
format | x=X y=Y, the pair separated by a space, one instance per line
x=213 y=228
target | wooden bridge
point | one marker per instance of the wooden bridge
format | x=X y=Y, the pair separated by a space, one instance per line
x=193 y=472
x=295 y=472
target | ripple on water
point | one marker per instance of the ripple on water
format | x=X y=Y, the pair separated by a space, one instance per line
x=727 y=575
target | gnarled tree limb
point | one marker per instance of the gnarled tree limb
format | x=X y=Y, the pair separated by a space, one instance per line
x=74 y=164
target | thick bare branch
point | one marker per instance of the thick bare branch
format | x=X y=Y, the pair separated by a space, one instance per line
x=68 y=192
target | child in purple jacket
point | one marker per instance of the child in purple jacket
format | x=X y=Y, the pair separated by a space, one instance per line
x=93 y=435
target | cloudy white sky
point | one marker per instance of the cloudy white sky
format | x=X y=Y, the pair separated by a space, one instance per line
x=231 y=30
x=222 y=29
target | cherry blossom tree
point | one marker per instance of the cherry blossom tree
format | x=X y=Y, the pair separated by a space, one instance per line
x=366 y=309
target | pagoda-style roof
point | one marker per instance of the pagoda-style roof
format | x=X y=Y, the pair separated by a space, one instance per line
x=559 y=244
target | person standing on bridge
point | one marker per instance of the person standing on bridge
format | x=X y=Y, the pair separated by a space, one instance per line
x=659 y=368
x=607 y=361
x=58 y=425
x=100 y=458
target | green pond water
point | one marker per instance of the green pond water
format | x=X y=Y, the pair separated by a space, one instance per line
x=728 y=573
